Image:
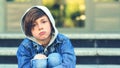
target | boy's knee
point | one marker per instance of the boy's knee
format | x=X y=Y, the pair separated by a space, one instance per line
x=39 y=63
x=54 y=59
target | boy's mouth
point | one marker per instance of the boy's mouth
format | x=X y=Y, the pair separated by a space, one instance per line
x=42 y=33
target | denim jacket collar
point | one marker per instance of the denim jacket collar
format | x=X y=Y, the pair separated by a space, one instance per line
x=39 y=47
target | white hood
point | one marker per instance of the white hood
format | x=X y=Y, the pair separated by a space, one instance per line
x=48 y=13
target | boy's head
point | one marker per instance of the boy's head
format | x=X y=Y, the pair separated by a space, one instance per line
x=30 y=17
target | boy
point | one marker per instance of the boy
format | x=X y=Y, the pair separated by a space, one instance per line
x=43 y=46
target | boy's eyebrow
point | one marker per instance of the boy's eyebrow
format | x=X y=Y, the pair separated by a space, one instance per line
x=40 y=20
x=43 y=19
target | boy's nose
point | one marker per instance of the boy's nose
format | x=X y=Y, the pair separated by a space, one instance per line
x=40 y=27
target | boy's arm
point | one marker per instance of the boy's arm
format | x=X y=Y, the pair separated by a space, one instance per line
x=24 y=58
x=68 y=55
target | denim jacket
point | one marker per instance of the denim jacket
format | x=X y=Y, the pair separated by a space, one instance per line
x=58 y=44
x=62 y=45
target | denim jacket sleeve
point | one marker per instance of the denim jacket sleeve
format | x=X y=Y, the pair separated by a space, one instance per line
x=68 y=55
x=24 y=57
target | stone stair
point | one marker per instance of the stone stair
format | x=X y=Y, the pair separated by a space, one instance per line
x=92 y=50
x=90 y=54
x=14 y=14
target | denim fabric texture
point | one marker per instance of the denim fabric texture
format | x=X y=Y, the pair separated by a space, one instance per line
x=53 y=60
x=62 y=45
x=39 y=63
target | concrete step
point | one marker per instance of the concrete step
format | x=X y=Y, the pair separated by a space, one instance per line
x=97 y=51
x=11 y=51
x=8 y=51
x=97 y=66
x=8 y=66
x=77 y=66
x=100 y=36
x=14 y=12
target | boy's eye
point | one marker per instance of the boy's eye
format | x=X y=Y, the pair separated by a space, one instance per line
x=44 y=21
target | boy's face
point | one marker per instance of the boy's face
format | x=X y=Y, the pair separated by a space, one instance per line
x=41 y=28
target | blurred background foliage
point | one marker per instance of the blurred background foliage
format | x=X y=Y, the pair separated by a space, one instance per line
x=78 y=15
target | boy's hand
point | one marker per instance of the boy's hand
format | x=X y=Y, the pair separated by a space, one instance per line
x=39 y=56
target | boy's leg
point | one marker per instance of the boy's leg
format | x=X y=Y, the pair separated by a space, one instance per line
x=54 y=59
x=39 y=63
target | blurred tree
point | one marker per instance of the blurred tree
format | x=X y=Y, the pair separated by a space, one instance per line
x=78 y=22
x=10 y=0
x=57 y=9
